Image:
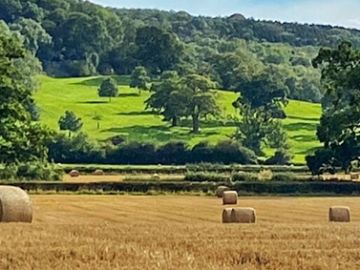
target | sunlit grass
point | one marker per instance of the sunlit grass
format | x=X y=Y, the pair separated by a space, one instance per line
x=126 y=115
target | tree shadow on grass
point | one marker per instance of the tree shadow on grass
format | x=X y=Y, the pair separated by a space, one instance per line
x=120 y=80
x=136 y=113
x=93 y=102
x=209 y=123
x=304 y=118
x=303 y=138
x=162 y=134
x=301 y=126
x=309 y=151
x=123 y=95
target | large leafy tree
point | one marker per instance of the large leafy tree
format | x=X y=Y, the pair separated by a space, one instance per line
x=139 y=79
x=200 y=98
x=158 y=50
x=261 y=103
x=20 y=138
x=108 y=88
x=191 y=96
x=168 y=98
x=70 y=122
x=339 y=127
x=33 y=33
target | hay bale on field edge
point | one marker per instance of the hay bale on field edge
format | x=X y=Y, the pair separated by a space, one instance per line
x=98 y=172
x=243 y=215
x=15 y=205
x=226 y=215
x=220 y=190
x=74 y=173
x=230 y=197
x=354 y=176
x=339 y=214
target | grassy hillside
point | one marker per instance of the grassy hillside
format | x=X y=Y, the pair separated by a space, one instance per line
x=126 y=115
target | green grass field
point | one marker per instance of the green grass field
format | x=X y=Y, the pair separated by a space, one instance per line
x=126 y=115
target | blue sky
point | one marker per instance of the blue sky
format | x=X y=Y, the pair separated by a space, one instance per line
x=335 y=12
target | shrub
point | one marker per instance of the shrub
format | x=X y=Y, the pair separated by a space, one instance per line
x=321 y=162
x=206 y=177
x=244 y=176
x=281 y=157
x=77 y=149
x=205 y=167
x=230 y=151
x=282 y=177
x=31 y=171
x=202 y=153
x=265 y=175
x=133 y=153
x=173 y=153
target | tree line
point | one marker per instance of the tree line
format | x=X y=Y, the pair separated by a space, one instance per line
x=186 y=73
x=78 y=38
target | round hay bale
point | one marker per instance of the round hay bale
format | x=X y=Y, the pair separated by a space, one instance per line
x=339 y=214
x=243 y=215
x=226 y=215
x=354 y=176
x=155 y=177
x=74 y=173
x=15 y=205
x=230 y=197
x=220 y=190
x=99 y=172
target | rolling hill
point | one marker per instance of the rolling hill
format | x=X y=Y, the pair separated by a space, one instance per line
x=127 y=116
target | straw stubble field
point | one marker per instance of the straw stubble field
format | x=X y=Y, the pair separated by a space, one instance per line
x=180 y=232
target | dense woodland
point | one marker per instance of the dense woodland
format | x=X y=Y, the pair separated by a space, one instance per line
x=78 y=38
x=181 y=59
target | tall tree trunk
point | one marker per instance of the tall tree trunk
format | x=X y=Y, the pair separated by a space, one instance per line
x=175 y=121
x=195 y=123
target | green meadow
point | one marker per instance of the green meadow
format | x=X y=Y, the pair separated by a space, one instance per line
x=127 y=116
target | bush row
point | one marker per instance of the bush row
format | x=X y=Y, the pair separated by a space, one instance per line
x=79 y=149
x=240 y=177
x=180 y=169
x=31 y=171
x=253 y=188
x=221 y=168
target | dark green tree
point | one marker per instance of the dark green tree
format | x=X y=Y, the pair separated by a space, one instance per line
x=167 y=98
x=70 y=122
x=199 y=98
x=33 y=33
x=139 y=79
x=158 y=50
x=21 y=139
x=108 y=88
x=340 y=120
x=261 y=103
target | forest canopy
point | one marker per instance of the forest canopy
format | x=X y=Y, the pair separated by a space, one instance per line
x=78 y=38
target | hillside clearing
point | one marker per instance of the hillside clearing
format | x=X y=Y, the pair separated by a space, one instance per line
x=126 y=115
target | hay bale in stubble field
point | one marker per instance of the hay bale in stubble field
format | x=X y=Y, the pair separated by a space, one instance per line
x=74 y=173
x=243 y=215
x=98 y=172
x=15 y=205
x=230 y=197
x=220 y=190
x=354 y=176
x=339 y=214
x=226 y=215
